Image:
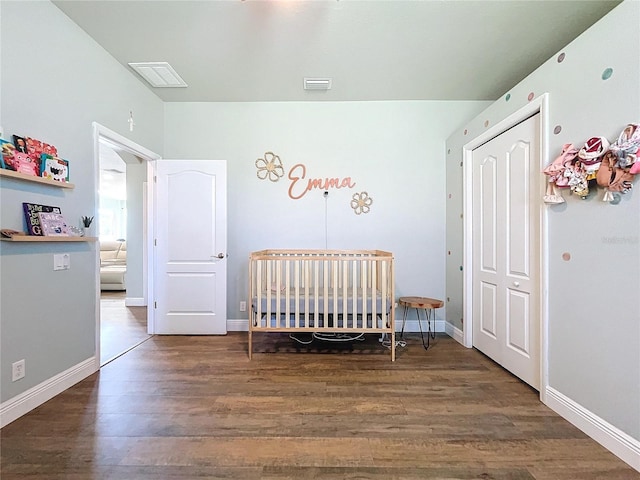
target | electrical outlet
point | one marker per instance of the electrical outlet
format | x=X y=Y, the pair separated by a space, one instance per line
x=17 y=370
x=243 y=306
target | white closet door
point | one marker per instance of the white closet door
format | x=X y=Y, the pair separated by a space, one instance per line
x=506 y=205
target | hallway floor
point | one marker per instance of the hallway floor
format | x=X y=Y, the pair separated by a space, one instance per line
x=121 y=327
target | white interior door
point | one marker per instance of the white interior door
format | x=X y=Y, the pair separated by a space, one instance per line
x=506 y=251
x=190 y=245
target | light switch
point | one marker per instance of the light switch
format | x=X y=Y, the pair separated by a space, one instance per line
x=61 y=261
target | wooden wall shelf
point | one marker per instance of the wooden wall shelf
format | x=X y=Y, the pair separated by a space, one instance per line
x=34 y=179
x=37 y=238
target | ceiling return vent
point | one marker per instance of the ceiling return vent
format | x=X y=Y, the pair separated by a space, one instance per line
x=159 y=74
x=314 y=83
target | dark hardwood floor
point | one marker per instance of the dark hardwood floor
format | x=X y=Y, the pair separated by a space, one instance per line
x=183 y=407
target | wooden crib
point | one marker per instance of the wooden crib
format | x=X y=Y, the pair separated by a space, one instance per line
x=322 y=292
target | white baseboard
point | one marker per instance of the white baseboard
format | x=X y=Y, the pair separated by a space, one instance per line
x=616 y=441
x=135 y=302
x=454 y=332
x=23 y=403
x=237 y=324
x=242 y=325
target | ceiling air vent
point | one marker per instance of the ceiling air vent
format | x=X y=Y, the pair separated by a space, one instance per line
x=159 y=74
x=317 y=83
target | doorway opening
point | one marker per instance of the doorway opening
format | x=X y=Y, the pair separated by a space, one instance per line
x=121 y=223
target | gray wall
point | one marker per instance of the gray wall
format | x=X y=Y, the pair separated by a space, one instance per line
x=594 y=310
x=392 y=150
x=55 y=82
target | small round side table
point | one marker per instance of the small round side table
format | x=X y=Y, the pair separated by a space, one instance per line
x=421 y=303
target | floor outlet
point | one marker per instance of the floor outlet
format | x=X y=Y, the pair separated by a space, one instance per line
x=17 y=370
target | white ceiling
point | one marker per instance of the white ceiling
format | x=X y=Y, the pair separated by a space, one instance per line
x=260 y=50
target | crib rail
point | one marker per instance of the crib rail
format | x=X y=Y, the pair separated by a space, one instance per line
x=326 y=291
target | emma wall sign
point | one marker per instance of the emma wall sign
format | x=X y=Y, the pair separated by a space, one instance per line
x=270 y=167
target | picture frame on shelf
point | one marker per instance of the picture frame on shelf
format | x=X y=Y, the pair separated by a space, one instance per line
x=31 y=217
x=54 y=168
x=8 y=150
x=53 y=224
x=23 y=163
x=36 y=148
x=20 y=143
x=49 y=149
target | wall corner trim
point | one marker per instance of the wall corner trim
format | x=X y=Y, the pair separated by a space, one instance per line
x=23 y=403
x=613 y=439
x=454 y=332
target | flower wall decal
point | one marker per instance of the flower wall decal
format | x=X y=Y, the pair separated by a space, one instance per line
x=270 y=167
x=361 y=202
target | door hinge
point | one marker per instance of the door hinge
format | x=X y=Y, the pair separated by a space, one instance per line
x=155 y=304
x=155 y=179
x=155 y=242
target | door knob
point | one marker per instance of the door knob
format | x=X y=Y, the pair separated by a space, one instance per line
x=221 y=255
x=517 y=284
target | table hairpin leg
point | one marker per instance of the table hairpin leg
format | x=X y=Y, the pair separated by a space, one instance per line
x=430 y=334
x=428 y=323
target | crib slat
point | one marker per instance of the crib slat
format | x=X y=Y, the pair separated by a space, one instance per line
x=259 y=291
x=325 y=292
x=383 y=295
x=306 y=293
x=296 y=283
x=275 y=288
x=334 y=290
x=316 y=300
x=282 y=287
x=364 y=278
x=270 y=292
x=354 y=289
x=374 y=293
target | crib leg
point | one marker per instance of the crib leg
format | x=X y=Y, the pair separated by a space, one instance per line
x=250 y=340
x=393 y=346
